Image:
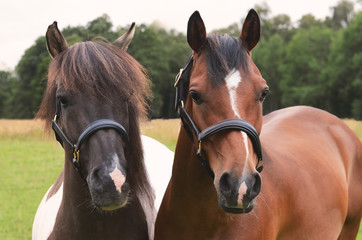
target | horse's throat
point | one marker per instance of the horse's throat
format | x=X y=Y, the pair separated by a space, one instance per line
x=191 y=184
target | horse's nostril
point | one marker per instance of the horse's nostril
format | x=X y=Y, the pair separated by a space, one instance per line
x=96 y=179
x=256 y=187
x=125 y=187
x=225 y=185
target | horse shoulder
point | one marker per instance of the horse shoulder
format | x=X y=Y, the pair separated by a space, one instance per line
x=309 y=138
x=158 y=161
x=46 y=214
x=306 y=124
x=301 y=144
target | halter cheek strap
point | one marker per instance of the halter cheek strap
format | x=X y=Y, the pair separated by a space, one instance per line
x=87 y=133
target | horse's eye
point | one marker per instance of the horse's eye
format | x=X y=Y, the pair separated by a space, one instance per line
x=195 y=97
x=63 y=101
x=264 y=94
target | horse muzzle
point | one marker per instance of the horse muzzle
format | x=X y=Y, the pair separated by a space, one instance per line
x=237 y=195
x=109 y=190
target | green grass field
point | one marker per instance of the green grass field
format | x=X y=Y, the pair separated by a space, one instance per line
x=30 y=162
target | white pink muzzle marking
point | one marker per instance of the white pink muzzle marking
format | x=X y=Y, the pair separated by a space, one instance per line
x=242 y=191
x=118 y=179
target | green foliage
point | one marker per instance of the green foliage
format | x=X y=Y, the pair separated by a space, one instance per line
x=6 y=81
x=162 y=54
x=100 y=26
x=306 y=57
x=344 y=74
x=280 y=24
x=31 y=74
x=308 y=21
x=269 y=55
x=316 y=63
x=342 y=14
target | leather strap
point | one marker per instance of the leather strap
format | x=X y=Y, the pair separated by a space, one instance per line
x=188 y=123
x=182 y=83
x=98 y=125
x=60 y=136
x=234 y=124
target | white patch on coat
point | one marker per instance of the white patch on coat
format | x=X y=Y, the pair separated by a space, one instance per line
x=46 y=215
x=158 y=161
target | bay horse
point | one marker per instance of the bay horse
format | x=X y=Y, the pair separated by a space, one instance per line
x=309 y=182
x=97 y=92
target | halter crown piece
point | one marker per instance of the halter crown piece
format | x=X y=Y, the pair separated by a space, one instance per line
x=182 y=81
x=87 y=133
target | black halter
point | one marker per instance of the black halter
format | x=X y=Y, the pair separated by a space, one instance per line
x=182 y=84
x=87 y=132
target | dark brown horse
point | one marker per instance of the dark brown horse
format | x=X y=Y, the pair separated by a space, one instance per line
x=311 y=185
x=96 y=92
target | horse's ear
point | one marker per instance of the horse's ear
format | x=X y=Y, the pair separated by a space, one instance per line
x=250 y=34
x=124 y=40
x=56 y=43
x=196 y=32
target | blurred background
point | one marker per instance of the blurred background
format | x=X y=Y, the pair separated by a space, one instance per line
x=311 y=54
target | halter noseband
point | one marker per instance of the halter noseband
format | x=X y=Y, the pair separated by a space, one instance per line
x=181 y=84
x=87 y=132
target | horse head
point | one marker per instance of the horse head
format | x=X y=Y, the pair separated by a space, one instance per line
x=95 y=90
x=224 y=84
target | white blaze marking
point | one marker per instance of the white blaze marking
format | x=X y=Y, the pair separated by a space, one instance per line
x=232 y=82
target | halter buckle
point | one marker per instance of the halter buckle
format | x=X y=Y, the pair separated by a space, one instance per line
x=181 y=105
x=75 y=161
x=76 y=155
x=178 y=77
x=200 y=149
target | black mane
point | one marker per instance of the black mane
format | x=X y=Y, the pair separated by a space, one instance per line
x=224 y=53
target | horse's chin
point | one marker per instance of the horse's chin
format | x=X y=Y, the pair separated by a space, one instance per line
x=236 y=209
x=113 y=207
x=110 y=203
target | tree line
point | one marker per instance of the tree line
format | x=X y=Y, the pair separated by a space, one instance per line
x=314 y=62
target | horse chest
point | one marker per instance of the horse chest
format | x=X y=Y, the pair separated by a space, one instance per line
x=229 y=229
x=203 y=223
x=121 y=225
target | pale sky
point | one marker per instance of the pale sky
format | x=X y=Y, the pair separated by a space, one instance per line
x=23 y=21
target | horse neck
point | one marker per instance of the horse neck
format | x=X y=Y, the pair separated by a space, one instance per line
x=191 y=186
x=75 y=189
